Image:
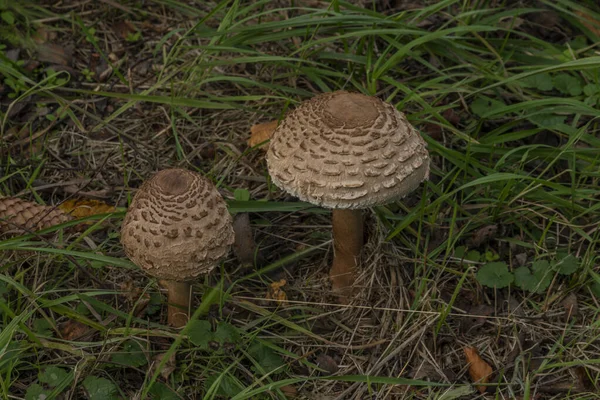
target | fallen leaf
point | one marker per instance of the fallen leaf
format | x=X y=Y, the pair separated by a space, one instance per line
x=124 y=29
x=451 y=116
x=72 y=330
x=289 y=391
x=477 y=316
x=81 y=208
x=589 y=22
x=570 y=306
x=208 y=151
x=484 y=234
x=260 y=133
x=276 y=293
x=244 y=245
x=433 y=130
x=584 y=379
x=130 y=291
x=327 y=363
x=167 y=368
x=479 y=370
x=54 y=54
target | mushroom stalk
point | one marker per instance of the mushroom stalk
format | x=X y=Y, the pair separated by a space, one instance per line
x=178 y=296
x=347 y=243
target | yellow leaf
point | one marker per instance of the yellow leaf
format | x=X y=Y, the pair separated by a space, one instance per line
x=479 y=370
x=276 y=293
x=261 y=133
x=81 y=208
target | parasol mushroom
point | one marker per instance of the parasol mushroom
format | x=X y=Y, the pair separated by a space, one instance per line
x=177 y=228
x=347 y=151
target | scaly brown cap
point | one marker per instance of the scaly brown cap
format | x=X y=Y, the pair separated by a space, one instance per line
x=177 y=226
x=347 y=150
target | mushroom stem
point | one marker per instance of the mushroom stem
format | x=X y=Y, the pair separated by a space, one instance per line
x=347 y=243
x=178 y=296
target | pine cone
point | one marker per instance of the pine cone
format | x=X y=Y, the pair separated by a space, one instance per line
x=19 y=216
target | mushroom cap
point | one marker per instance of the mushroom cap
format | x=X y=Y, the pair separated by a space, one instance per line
x=347 y=150
x=177 y=226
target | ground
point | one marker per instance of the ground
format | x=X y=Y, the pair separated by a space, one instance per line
x=489 y=268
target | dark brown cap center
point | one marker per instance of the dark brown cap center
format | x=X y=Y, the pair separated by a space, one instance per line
x=173 y=182
x=352 y=109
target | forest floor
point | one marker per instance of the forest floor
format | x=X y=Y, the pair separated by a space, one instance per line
x=488 y=269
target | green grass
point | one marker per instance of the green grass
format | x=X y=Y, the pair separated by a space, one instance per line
x=509 y=108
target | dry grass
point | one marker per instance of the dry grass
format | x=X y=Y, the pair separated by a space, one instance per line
x=417 y=305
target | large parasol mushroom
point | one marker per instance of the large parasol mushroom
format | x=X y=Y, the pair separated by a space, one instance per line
x=347 y=151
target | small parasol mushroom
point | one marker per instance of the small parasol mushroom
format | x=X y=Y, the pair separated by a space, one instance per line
x=347 y=151
x=177 y=228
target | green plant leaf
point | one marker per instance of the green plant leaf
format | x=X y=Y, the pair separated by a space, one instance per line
x=228 y=386
x=241 y=194
x=4 y=288
x=227 y=333
x=154 y=304
x=524 y=279
x=52 y=376
x=592 y=100
x=567 y=84
x=495 y=275
x=483 y=105
x=459 y=252
x=491 y=255
x=473 y=255
x=8 y=17
x=268 y=359
x=595 y=288
x=541 y=81
x=36 y=392
x=567 y=264
x=100 y=388
x=591 y=89
x=543 y=274
x=42 y=327
x=200 y=333
x=160 y=391
x=549 y=121
x=131 y=354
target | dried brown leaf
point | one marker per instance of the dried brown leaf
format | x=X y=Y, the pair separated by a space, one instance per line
x=451 y=116
x=571 y=306
x=327 y=363
x=54 y=54
x=167 y=368
x=130 y=291
x=289 y=391
x=72 y=330
x=276 y=292
x=123 y=29
x=589 y=22
x=81 y=208
x=260 y=133
x=483 y=235
x=584 y=379
x=244 y=245
x=479 y=370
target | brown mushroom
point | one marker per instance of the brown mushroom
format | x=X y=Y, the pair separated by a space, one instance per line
x=347 y=151
x=177 y=228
